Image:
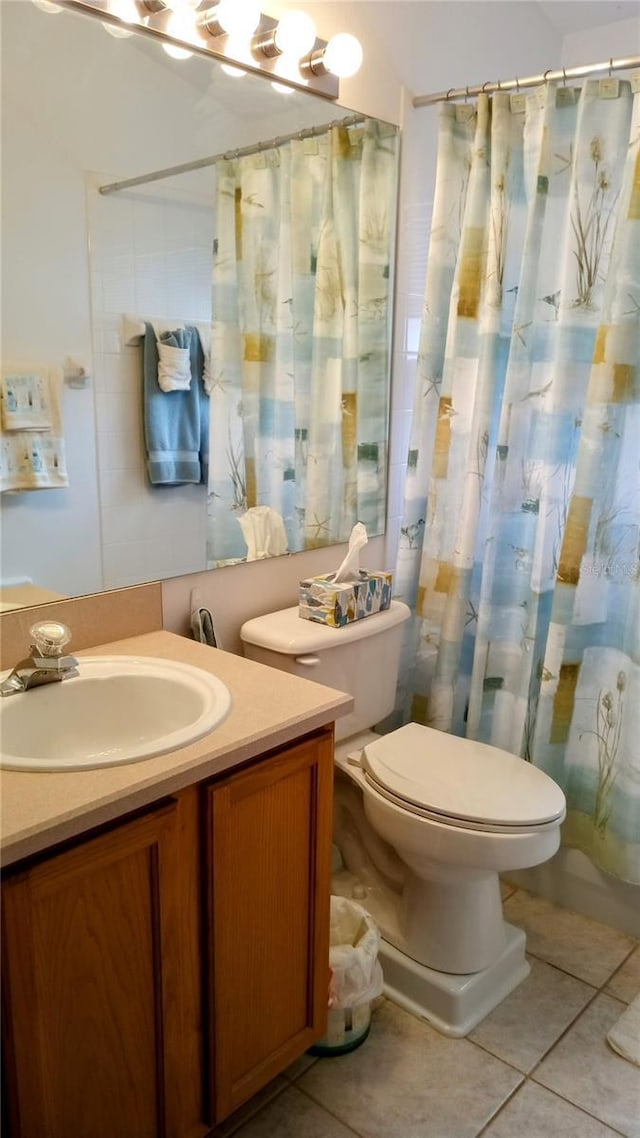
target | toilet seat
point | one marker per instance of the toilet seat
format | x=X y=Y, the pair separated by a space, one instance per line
x=460 y=782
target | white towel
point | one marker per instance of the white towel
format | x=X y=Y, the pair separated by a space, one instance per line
x=26 y=404
x=624 y=1036
x=34 y=459
x=174 y=368
x=264 y=531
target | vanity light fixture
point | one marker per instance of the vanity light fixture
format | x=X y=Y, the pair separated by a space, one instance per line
x=235 y=32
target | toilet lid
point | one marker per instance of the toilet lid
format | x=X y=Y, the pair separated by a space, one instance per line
x=461 y=780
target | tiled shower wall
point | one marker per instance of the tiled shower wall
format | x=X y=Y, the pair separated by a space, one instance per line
x=150 y=257
x=414 y=222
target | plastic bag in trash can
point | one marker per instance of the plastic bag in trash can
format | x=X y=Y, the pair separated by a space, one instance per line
x=356 y=975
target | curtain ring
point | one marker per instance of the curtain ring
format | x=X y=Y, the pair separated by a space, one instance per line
x=564 y=76
x=466 y=95
x=546 y=75
x=485 y=85
x=449 y=93
x=517 y=85
x=610 y=65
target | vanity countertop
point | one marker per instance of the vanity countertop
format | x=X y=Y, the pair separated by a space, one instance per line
x=269 y=708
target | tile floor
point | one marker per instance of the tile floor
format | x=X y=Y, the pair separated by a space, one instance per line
x=538 y=1067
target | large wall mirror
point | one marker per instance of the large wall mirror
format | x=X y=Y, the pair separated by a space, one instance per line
x=290 y=247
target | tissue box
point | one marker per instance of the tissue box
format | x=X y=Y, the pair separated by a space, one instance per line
x=337 y=604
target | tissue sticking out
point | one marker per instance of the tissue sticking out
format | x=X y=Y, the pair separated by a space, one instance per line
x=349 y=594
x=350 y=568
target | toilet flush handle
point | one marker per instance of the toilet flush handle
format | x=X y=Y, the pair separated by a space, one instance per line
x=308 y=661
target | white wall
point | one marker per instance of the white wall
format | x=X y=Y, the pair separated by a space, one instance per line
x=607 y=41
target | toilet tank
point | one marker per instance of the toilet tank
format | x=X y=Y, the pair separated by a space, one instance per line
x=361 y=658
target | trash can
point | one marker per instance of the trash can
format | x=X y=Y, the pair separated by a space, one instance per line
x=355 y=977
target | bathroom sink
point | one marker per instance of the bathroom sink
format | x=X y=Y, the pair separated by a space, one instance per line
x=118 y=709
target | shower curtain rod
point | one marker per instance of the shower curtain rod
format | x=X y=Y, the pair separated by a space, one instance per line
x=242 y=152
x=563 y=73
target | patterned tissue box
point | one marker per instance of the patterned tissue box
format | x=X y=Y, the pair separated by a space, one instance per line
x=321 y=599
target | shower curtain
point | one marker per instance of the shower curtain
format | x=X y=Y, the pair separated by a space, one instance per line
x=301 y=335
x=520 y=546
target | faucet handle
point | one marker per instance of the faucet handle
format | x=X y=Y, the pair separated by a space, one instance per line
x=50 y=637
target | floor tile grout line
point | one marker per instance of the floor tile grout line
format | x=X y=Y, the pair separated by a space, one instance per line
x=583 y=1109
x=572 y=1022
x=567 y=1029
x=620 y=967
x=331 y=1113
x=549 y=1049
x=531 y=1076
x=555 y=1094
x=574 y=976
x=508 y=1099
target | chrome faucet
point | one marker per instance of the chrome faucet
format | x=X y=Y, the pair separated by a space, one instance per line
x=46 y=664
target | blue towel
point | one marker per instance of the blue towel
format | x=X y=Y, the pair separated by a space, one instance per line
x=176 y=423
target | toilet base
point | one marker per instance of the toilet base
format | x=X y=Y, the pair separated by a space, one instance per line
x=453 y=1004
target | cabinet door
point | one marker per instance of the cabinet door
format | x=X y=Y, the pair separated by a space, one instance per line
x=94 y=988
x=269 y=884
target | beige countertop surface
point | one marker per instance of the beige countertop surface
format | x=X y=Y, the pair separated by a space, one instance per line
x=269 y=708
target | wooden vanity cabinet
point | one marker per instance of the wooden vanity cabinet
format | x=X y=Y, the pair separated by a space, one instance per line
x=160 y=972
x=101 y=985
x=268 y=884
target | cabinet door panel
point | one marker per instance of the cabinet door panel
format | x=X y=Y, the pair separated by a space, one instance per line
x=92 y=963
x=269 y=905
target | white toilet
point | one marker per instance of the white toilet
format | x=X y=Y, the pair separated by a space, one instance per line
x=424 y=822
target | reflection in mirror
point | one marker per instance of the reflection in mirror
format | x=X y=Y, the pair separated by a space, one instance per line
x=300 y=342
x=81 y=110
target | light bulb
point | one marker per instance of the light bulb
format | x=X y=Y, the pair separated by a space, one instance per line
x=47 y=6
x=181 y=25
x=343 y=55
x=295 y=35
x=238 y=17
x=125 y=10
